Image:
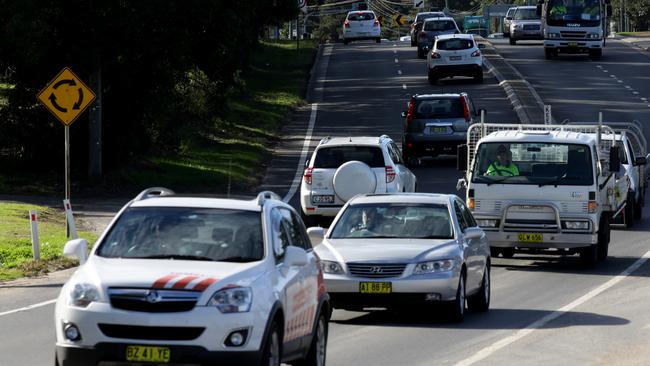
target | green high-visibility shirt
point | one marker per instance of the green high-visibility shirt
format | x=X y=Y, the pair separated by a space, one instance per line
x=502 y=170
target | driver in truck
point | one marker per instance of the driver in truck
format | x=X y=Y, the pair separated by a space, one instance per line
x=502 y=166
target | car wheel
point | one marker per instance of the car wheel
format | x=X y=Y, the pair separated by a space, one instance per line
x=638 y=208
x=378 y=40
x=589 y=256
x=420 y=53
x=548 y=53
x=629 y=213
x=512 y=41
x=272 y=349
x=507 y=252
x=345 y=41
x=603 y=238
x=478 y=78
x=318 y=347
x=595 y=54
x=494 y=252
x=457 y=307
x=481 y=301
x=433 y=78
x=413 y=44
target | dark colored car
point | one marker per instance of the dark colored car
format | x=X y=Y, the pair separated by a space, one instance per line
x=431 y=29
x=416 y=26
x=436 y=124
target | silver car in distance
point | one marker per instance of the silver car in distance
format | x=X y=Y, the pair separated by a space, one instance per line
x=408 y=250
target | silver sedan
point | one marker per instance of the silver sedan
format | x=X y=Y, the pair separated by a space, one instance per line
x=405 y=250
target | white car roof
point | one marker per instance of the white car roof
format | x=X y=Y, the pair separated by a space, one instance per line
x=199 y=202
x=559 y=137
x=435 y=198
x=459 y=36
x=438 y=19
x=355 y=140
x=526 y=7
x=360 y=11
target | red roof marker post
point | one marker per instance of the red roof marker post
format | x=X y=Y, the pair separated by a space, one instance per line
x=36 y=247
x=70 y=218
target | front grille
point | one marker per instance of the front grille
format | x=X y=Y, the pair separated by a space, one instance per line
x=153 y=300
x=376 y=270
x=573 y=34
x=531 y=27
x=151 y=333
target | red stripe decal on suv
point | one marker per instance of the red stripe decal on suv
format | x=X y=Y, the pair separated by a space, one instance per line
x=162 y=281
x=184 y=281
x=204 y=284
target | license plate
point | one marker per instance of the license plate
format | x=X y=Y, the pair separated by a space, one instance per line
x=375 y=287
x=436 y=130
x=530 y=237
x=455 y=58
x=573 y=44
x=323 y=199
x=148 y=354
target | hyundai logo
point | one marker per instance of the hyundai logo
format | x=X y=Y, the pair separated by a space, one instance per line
x=152 y=297
x=376 y=269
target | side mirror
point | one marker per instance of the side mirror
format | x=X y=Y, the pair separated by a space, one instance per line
x=76 y=248
x=609 y=10
x=640 y=160
x=508 y=18
x=316 y=235
x=538 y=10
x=473 y=232
x=461 y=184
x=461 y=160
x=614 y=160
x=403 y=114
x=295 y=257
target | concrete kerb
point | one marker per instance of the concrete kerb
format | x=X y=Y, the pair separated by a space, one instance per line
x=312 y=74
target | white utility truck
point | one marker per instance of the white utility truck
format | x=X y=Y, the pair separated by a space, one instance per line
x=560 y=196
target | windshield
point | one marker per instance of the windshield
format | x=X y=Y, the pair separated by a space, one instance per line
x=422 y=17
x=382 y=220
x=185 y=233
x=533 y=163
x=585 y=13
x=526 y=14
x=439 y=25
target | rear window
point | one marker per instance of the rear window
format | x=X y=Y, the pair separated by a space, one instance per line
x=438 y=108
x=423 y=17
x=454 y=44
x=439 y=25
x=335 y=156
x=361 y=16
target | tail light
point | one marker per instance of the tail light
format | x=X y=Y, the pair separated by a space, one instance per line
x=463 y=102
x=376 y=23
x=390 y=174
x=346 y=24
x=409 y=112
x=435 y=55
x=308 y=174
x=476 y=53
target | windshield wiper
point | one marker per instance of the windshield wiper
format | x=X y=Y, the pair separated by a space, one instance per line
x=238 y=259
x=431 y=237
x=176 y=256
x=491 y=182
x=557 y=179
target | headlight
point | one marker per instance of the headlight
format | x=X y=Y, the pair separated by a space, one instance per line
x=232 y=300
x=553 y=35
x=486 y=222
x=517 y=26
x=443 y=265
x=83 y=294
x=331 y=267
x=593 y=35
x=576 y=225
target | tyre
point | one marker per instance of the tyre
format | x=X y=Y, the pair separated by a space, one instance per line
x=494 y=252
x=595 y=54
x=345 y=41
x=433 y=78
x=272 y=354
x=378 y=40
x=480 y=302
x=413 y=43
x=638 y=208
x=548 y=53
x=589 y=256
x=478 y=78
x=629 y=214
x=604 y=232
x=456 y=312
x=507 y=252
x=420 y=53
x=317 y=350
x=512 y=41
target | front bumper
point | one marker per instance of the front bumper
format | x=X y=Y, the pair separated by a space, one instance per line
x=419 y=144
x=526 y=35
x=114 y=354
x=573 y=45
x=406 y=290
x=471 y=69
x=554 y=240
x=351 y=35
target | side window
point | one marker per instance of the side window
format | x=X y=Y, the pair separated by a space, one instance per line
x=629 y=148
x=469 y=218
x=297 y=231
x=281 y=234
x=472 y=109
x=460 y=217
x=396 y=154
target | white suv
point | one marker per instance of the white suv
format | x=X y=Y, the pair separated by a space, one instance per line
x=342 y=167
x=359 y=25
x=454 y=55
x=195 y=280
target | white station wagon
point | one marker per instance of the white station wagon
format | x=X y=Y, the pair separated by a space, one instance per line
x=195 y=281
x=405 y=250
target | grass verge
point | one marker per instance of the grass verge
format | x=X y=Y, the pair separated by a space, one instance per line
x=16 y=259
x=634 y=34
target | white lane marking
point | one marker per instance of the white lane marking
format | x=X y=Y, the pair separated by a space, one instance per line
x=30 y=307
x=605 y=70
x=399 y=72
x=635 y=92
x=404 y=86
x=619 y=81
x=628 y=87
x=303 y=154
x=644 y=99
x=396 y=60
x=539 y=324
x=395 y=51
x=612 y=76
x=599 y=66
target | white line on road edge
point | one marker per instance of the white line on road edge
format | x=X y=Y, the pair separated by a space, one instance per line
x=396 y=60
x=303 y=154
x=30 y=307
x=489 y=350
x=399 y=72
x=404 y=86
x=395 y=51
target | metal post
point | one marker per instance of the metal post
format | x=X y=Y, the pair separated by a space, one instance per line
x=67 y=173
x=36 y=247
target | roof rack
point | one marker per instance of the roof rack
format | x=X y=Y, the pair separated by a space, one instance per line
x=324 y=140
x=267 y=195
x=153 y=191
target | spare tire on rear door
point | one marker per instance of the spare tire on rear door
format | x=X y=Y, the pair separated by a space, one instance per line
x=352 y=178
